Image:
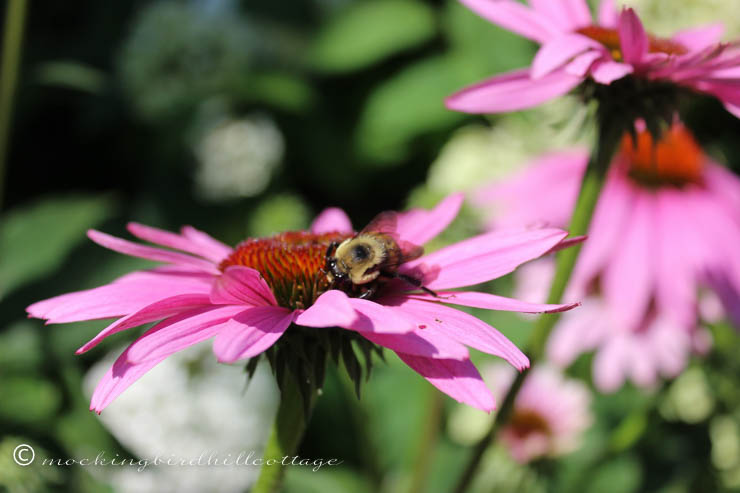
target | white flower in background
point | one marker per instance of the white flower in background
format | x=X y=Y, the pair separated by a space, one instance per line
x=237 y=157
x=665 y=17
x=198 y=408
x=477 y=154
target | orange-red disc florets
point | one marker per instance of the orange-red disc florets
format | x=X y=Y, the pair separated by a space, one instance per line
x=676 y=159
x=292 y=264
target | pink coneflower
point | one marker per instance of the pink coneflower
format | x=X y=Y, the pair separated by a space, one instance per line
x=575 y=48
x=549 y=416
x=251 y=296
x=666 y=226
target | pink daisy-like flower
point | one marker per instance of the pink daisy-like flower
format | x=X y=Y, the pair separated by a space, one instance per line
x=550 y=412
x=250 y=296
x=575 y=48
x=666 y=227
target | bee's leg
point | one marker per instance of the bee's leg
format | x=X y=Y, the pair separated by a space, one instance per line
x=416 y=283
x=368 y=293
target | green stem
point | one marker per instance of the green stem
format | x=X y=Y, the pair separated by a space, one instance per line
x=285 y=436
x=428 y=442
x=593 y=181
x=15 y=15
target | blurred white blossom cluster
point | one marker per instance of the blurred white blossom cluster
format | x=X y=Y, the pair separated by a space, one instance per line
x=238 y=157
x=193 y=405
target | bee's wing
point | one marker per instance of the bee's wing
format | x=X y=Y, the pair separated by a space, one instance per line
x=386 y=223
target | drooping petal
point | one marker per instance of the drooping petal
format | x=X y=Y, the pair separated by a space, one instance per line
x=607 y=15
x=458 y=379
x=482 y=258
x=377 y=318
x=577 y=332
x=606 y=72
x=241 y=285
x=628 y=279
x=511 y=91
x=633 y=39
x=123 y=296
x=515 y=17
x=156 y=311
x=567 y=14
x=460 y=326
x=581 y=64
x=700 y=38
x=331 y=309
x=251 y=332
x=559 y=51
x=492 y=302
x=611 y=364
x=151 y=253
x=178 y=242
x=331 y=220
x=181 y=331
x=418 y=226
x=118 y=378
x=427 y=342
x=218 y=250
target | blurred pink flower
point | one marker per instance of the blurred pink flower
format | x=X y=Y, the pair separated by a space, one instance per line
x=574 y=48
x=550 y=413
x=666 y=226
x=249 y=296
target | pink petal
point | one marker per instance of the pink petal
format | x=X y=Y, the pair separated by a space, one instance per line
x=606 y=72
x=180 y=331
x=515 y=17
x=610 y=364
x=241 y=285
x=458 y=379
x=577 y=332
x=118 y=378
x=418 y=226
x=331 y=309
x=700 y=38
x=156 y=311
x=460 y=326
x=567 y=14
x=491 y=302
x=511 y=91
x=608 y=16
x=426 y=342
x=123 y=296
x=251 y=332
x=332 y=220
x=581 y=64
x=151 y=253
x=628 y=279
x=558 y=51
x=218 y=250
x=376 y=318
x=482 y=258
x=171 y=240
x=632 y=37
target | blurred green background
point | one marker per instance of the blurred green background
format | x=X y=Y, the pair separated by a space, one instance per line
x=248 y=118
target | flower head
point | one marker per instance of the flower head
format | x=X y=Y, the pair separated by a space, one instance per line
x=549 y=416
x=272 y=295
x=612 y=48
x=665 y=229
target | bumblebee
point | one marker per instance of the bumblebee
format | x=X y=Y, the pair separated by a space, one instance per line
x=361 y=265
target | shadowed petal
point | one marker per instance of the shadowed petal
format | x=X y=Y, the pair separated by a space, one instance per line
x=427 y=342
x=515 y=17
x=156 y=311
x=492 y=302
x=150 y=253
x=331 y=220
x=377 y=318
x=123 y=296
x=241 y=285
x=251 y=332
x=483 y=257
x=178 y=242
x=511 y=91
x=632 y=37
x=458 y=379
x=180 y=331
x=418 y=226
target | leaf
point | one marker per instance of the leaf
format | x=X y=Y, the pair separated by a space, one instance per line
x=621 y=475
x=35 y=239
x=369 y=31
x=28 y=400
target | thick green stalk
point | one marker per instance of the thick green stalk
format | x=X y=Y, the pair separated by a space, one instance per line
x=15 y=15
x=285 y=436
x=593 y=181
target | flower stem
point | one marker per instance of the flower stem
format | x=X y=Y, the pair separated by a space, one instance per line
x=285 y=436
x=428 y=442
x=593 y=181
x=15 y=15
